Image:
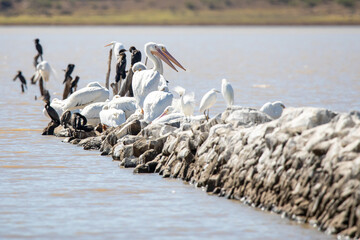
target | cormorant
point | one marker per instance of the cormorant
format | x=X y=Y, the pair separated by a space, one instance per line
x=50 y=110
x=120 y=69
x=79 y=122
x=74 y=84
x=126 y=87
x=22 y=80
x=39 y=50
x=65 y=119
x=67 y=81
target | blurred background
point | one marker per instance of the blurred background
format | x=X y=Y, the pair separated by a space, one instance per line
x=179 y=12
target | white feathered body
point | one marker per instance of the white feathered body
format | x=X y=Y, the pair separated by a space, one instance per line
x=126 y=104
x=208 y=100
x=112 y=117
x=274 y=110
x=117 y=46
x=187 y=101
x=144 y=82
x=91 y=112
x=170 y=117
x=227 y=92
x=44 y=70
x=155 y=104
x=92 y=93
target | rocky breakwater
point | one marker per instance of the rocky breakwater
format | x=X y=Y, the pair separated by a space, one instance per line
x=304 y=165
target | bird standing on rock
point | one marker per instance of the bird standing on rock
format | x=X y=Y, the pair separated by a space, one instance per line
x=274 y=110
x=227 y=92
x=207 y=101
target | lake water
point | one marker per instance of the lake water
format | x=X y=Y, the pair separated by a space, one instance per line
x=52 y=190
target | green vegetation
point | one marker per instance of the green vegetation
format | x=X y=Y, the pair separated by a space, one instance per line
x=241 y=12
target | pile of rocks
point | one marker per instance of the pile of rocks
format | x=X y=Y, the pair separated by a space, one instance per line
x=304 y=165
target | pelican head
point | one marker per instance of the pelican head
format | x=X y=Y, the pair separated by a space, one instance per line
x=279 y=103
x=110 y=44
x=152 y=48
x=169 y=56
x=138 y=67
x=214 y=90
x=168 y=110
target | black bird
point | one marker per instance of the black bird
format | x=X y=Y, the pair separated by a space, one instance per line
x=39 y=50
x=22 y=80
x=79 y=122
x=68 y=71
x=50 y=110
x=135 y=55
x=74 y=84
x=126 y=88
x=120 y=69
x=67 y=81
x=65 y=119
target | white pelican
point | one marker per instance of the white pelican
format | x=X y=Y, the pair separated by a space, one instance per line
x=138 y=67
x=126 y=104
x=207 y=101
x=146 y=81
x=91 y=112
x=112 y=117
x=116 y=47
x=155 y=104
x=227 y=92
x=187 y=101
x=168 y=115
x=93 y=92
x=274 y=110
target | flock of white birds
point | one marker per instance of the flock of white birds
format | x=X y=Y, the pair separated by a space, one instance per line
x=152 y=97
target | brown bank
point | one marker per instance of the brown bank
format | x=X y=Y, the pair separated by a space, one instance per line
x=305 y=165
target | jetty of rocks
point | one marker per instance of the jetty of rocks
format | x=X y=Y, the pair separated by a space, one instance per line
x=304 y=165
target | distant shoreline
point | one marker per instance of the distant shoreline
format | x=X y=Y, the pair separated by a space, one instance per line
x=235 y=17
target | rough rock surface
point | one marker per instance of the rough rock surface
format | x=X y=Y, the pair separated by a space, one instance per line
x=304 y=165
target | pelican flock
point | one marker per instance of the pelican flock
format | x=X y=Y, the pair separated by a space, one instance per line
x=144 y=91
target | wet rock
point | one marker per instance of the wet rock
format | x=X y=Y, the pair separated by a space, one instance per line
x=139 y=147
x=91 y=143
x=147 y=156
x=49 y=130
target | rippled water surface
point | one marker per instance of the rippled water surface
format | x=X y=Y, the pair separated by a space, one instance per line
x=53 y=190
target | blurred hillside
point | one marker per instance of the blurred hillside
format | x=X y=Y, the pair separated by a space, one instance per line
x=179 y=12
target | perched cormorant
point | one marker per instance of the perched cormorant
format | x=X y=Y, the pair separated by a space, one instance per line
x=74 y=84
x=50 y=110
x=126 y=88
x=39 y=50
x=135 y=55
x=120 y=69
x=67 y=81
x=79 y=122
x=65 y=119
x=22 y=80
x=68 y=71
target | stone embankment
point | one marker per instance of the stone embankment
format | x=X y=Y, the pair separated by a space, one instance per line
x=304 y=165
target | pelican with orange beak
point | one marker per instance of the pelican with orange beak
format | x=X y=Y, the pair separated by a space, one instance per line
x=116 y=47
x=150 y=80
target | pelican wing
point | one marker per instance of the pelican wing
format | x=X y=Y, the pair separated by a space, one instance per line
x=86 y=96
x=143 y=83
x=155 y=104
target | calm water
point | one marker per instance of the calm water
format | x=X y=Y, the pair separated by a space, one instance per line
x=52 y=190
